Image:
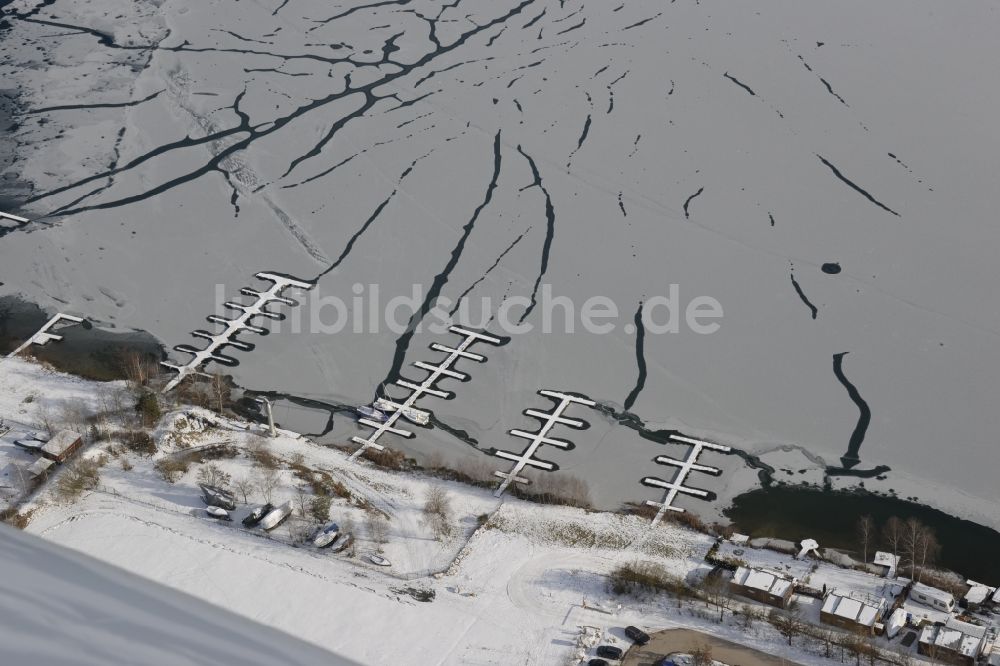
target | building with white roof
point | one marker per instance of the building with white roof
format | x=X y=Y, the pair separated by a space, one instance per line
x=852 y=611
x=954 y=642
x=768 y=587
x=40 y=468
x=886 y=563
x=977 y=595
x=62 y=445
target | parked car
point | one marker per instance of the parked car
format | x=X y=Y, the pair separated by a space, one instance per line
x=638 y=636
x=597 y=662
x=217 y=512
x=610 y=652
x=257 y=514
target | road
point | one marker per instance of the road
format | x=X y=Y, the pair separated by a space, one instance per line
x=666 y=642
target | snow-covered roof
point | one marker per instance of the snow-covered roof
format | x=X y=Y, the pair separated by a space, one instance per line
x=763 y=580
x=977 y=594
x=61 y=442
x=40 y=466
x=71 y=608
x=956 y=636
x=886 y=559
x=863 y=609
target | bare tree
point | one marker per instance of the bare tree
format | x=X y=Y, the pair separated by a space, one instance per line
x=377 y=527
x=788 y=624
x=892 y=535
x=348 y=529
x=137 y=367
x=702 y=655
x=866 y=532
x=437 y=512
x=212 y=475
x=302 y=501
x=267 y=480
x=716 y=591
x=750 y=615
x=45 y=421
x=912 y=530
x=926 y=551
x=244 y=485
x=220 y=391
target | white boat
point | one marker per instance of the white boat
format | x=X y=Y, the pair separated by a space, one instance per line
x=276 y=516
x=412 y=415
x=217 y=512
x=327 y=535
x=342 y=542
x=370 y=412
x=379 y=560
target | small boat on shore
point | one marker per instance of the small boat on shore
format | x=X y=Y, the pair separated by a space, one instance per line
x=327 y=535
x=378 y=560
x=276 y=516
x=342 y=542
x=217 y=512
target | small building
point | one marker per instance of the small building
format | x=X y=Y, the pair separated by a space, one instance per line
x=886 y=564
x=767 y=587
x=852 y=611
x=40 y=468
x=62 y=445
x=933 y=597
x=954 y=642
x=977 y=596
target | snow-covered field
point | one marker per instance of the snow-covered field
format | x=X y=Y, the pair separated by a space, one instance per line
x=515 y=583
x=498 y=146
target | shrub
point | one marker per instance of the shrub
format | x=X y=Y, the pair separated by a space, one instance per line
x=148 y=408
x=394 y=460
x=138 y=441
x=15 y=518
x=437 y=512
x=173 y=467
x=644 y=577
x=262 y=455
x=320 y=508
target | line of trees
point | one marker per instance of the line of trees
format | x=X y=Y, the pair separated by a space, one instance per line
x=914 y=544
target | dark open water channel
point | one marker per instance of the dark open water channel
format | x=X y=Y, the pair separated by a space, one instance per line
x=831 y=518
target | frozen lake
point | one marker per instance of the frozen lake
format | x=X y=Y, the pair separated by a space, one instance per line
x=824 y=172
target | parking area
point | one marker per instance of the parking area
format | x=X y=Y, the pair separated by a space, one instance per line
x=669 y=641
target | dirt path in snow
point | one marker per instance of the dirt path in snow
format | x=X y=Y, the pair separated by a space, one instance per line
x=667 y=642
